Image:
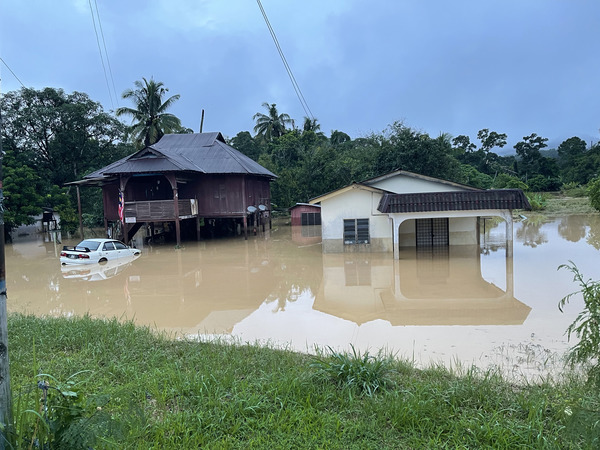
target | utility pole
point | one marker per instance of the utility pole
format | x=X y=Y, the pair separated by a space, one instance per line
x=6 y=421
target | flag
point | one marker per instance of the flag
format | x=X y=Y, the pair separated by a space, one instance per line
x=121 y=206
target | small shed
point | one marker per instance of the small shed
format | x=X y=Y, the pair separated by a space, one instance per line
x=305 y=214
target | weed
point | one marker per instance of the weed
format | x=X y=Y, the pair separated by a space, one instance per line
x=586 y=325
x=365 y=373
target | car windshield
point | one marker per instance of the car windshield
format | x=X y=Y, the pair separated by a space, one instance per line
x=92 y=245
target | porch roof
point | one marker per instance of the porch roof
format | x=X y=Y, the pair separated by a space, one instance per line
x=496 y=199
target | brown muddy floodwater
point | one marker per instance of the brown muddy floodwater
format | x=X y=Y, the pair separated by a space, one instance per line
x=462 y=307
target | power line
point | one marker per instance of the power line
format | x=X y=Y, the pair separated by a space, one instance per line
x=286 y=65
x=11 y=71
x=106 y=52
x=101 y=57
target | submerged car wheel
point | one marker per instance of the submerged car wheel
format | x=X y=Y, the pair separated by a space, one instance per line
x=102 y=261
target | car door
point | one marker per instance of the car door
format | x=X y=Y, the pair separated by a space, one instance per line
x=108 y=251
x=121 y=249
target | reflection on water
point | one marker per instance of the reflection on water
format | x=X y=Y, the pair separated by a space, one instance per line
x=464 y=303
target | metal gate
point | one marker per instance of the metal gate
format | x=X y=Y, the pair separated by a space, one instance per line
x=432 y=232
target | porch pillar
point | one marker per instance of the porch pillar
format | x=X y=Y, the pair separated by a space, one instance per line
x=245 y=208
x=396 y=237
x=122 y=184
x=176 y=210
x=507 y=216
x=173 y=181
x=79 y=210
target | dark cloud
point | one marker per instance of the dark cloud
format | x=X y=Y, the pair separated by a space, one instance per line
x=511 y=66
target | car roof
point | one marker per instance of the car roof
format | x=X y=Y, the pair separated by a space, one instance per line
x=100 y=240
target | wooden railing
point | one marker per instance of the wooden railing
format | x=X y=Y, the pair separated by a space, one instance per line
x=157 y=210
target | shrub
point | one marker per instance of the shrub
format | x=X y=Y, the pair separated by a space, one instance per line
x=573 y=189
x=593 y=191
x=537 y=201
x=586 y=325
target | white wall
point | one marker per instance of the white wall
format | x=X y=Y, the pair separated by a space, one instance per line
x=403 y=184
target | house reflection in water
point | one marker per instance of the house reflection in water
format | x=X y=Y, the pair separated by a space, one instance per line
x=430 y=287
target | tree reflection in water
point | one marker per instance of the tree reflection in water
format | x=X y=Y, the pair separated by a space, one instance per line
x=530 y=232
x=572 y=228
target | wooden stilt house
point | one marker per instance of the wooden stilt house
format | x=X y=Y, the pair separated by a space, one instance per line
x=183 y=177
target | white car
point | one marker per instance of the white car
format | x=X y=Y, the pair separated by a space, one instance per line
x=92 y=251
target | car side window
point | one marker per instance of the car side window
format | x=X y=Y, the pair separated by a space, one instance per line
x=120 y=246
x=108 y=246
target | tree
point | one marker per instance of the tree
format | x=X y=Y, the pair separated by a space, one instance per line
x=405 y=148
x=529 y=151
x=150 y=119
x=339 y=138
x=22 y=197
x=272 y=124
x=490 y=139
x=245 y=143
x=62 y=136
x=311 y=125
x=463 y=144
x=571 y=149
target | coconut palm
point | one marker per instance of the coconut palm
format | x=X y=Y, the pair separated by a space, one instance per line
x=311 y=124
x=272 y=124
x=150 y=121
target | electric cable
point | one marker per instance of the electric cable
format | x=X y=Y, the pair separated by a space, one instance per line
x=101 y=57
x=295 y=84
x=106 y=52
x=11 y=71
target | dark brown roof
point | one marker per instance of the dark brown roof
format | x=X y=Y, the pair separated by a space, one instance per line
x=454 y=201
x=198 y=152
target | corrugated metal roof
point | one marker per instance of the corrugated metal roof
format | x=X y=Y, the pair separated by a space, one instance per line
x=454 y=201
x=198 y=152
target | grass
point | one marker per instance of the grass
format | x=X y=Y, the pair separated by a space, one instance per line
x=156 y=392
x=558 y=205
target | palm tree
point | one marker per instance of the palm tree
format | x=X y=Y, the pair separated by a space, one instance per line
x=272 y=124
x=311 y=124
x=150 y=121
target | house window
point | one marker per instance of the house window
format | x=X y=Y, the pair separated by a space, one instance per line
x=356 y=231
x=310 y=218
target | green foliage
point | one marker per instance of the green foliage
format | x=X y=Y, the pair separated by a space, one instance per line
x=537 y=201
x=472 y=177
x=586 y=327
x=364 y=373
x=573 y=189
x=529 y=151
x=59 y=200
x=61 y=136
x=273 y=124
x=593 y=191
x=542 y=183
x=22 y=185
x=55 y=415
x=150 y=117
x=504 y=180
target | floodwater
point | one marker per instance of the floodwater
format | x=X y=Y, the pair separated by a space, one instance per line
x=460 y=307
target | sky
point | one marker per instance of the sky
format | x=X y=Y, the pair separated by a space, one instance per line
x=512 y=66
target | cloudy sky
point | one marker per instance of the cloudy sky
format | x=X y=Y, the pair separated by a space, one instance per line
x=513 y=66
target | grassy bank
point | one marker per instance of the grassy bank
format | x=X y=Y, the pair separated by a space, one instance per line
x=139 y=390
x=561 y=205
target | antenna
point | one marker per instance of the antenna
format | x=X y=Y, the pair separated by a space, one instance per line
x=202 y=121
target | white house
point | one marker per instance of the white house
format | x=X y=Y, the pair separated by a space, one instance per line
x=404 y=209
